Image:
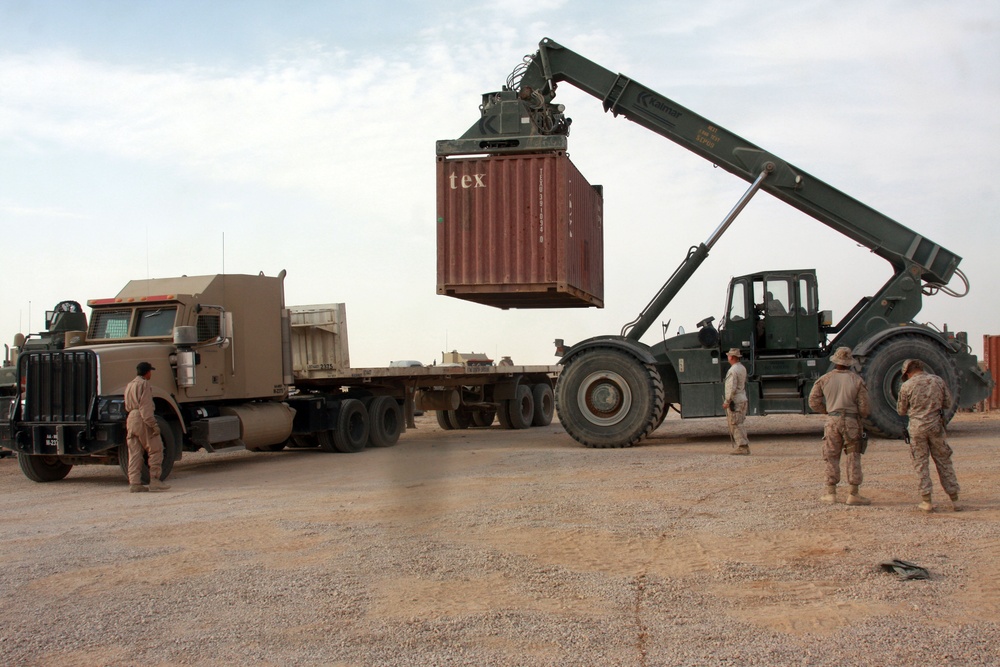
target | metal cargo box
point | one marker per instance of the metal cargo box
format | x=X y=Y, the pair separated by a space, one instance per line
x=519 y=231
x=319 y=340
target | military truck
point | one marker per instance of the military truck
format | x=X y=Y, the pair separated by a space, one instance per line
x=64 y=324
x=236 y=368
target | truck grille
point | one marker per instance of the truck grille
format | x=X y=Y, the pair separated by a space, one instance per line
x=60 y=386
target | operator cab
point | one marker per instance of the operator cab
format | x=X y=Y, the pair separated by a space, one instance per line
x=773 y=312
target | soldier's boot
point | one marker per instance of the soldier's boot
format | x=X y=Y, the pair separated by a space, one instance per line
x=136 y=488
x=955 y=506
x=831 y=494
x=854 y=497
x=925 y=503
x=742 y=450
x=157 y=485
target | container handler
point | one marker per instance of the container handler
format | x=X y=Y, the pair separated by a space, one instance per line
x=615 y=390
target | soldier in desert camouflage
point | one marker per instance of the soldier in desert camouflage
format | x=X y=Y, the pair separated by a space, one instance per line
x=923 y=398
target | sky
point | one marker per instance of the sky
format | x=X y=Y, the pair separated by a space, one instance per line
x=156 y=139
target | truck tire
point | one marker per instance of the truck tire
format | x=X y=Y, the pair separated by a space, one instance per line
x=883 y=375
x=443 y=421
x=351 y=432
x=521 y=409
x=385 y=421
x=608 y=398
x=503 y=413
x=545 y=404
x=171 y=447
x=460 y=418
x=484 y=418
x=43 y=468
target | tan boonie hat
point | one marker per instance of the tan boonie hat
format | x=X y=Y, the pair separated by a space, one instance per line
x=912 y=365
x=735 y=352
x=842 y=357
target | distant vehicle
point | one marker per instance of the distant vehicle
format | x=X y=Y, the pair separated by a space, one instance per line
x=406 y=363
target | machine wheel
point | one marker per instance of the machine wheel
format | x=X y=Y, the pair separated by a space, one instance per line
x=443 y=421
x=43 y=468
x=303 y=441
x=385 y=421
x=608 y=398
x=171 y=446
x=883 y=375
x=460 y=419
x=521 y=410
x=351 y=432
x=484 y=418
x=545 y=404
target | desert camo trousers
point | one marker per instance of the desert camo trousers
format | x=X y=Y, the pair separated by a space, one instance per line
x=842 y=434
x=926 y=443
x=736 y=418
x=141 y=438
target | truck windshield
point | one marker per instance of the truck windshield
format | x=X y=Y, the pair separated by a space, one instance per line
x=158 y=322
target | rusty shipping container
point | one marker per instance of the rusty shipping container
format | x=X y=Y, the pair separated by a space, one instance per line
x=519 y=231
x=991 y=357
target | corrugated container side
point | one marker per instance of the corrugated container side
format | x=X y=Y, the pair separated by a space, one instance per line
x=319 y=339
x=522 y=231
x=991 y=356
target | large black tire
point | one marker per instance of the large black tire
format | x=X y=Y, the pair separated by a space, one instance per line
x=883 y=375
x=351 y=432
x=43 y=468
x=521 y=409
x=503 y=414
x=484 y=417
x=171 y=449
x=385 y=421
x=545 y=404
x=460 y=419
x=443 y=421
x=607 y=398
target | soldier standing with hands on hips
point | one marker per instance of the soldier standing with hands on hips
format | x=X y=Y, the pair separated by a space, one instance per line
x=143 y=431
x=842 y=396
x=923 y=398
x=734 y=400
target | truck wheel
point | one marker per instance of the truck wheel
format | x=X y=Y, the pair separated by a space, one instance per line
x=883 y=375
x=608 y=398
x=443 y=421
x=351 y=432
x=385 y=421
x=484 y=418
x=521 y=410
x=43 y=468
x=503 y=414
x=460 y=419
x=171 y=446
x=545 y=405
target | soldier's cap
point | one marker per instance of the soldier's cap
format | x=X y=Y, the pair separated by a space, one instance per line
x=911 y=365
x=144 y=367
x=735 y=352
x=842 y=357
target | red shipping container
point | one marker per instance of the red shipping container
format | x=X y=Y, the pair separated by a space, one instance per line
x=519 y=231
x=991 y=357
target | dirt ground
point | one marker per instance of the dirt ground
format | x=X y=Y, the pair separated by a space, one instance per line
x=494 y=547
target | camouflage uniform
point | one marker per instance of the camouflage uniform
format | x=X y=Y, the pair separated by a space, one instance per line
x=143 y=431
x=923 y=398
x=843 y=397
x=735 y=399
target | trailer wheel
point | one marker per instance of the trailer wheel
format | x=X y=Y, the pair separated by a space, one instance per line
x=171 y=446
x=883 y=375
x=608 y=398
x=385 y=421
x=460 y=419
x=351 y=432
x=544 y=401
x=503 y=413
x=443 y=421
x=521 y=410
x=43 y=468
x=484 y=418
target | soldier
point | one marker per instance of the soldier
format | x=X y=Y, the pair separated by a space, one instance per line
x=841 y=395
x=734 y=401
x=923 y=398
x=143 y=431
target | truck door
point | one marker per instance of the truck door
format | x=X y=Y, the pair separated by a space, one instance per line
x=740 y=327
x=774 y=298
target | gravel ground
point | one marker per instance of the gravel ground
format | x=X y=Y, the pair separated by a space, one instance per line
x=492 y=547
